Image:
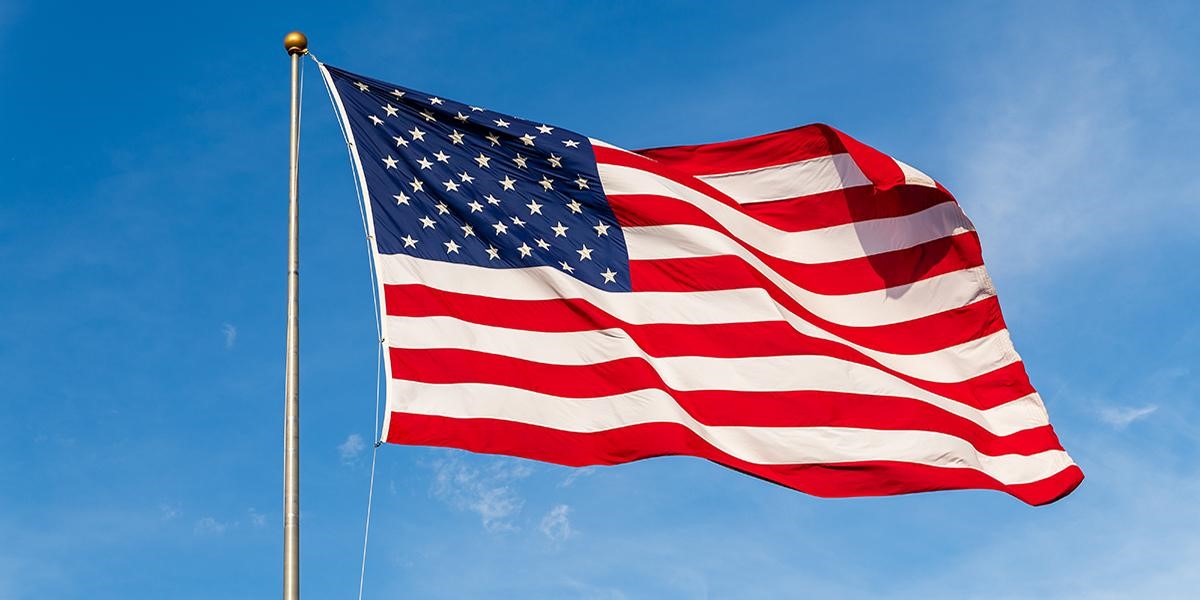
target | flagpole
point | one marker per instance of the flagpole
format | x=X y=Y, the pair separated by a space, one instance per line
x=297 y=46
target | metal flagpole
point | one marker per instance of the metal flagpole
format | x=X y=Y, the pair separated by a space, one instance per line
x=297 y=46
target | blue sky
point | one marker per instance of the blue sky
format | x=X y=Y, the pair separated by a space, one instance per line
x=142 y=254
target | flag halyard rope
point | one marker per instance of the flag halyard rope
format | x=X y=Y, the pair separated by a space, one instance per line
x=376 y=429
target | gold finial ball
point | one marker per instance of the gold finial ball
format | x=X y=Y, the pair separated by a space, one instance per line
x=295 y=43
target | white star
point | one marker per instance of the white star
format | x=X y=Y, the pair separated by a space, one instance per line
x=400 y=141
x=425 y=163
x=609 y=276
x=401 y=198
x=398 y=93
x=560 y=230
x=376 y=120
x=518 y=222
x=493 y=253
x=468 y=231
x=476 y=109
x=508 y=183
x=545 y=129
x=436 y=101
x=390 y=162
x=566 y=267
x=501 y=123
x=461 y=117
x=547 y=185
x=494 y=201
x=362 y=86
x=450 y=185
x=442 y=209
x=543 y=244
x=525 y=250
x=520 y=160
x=500 y=227
x=555 y=161
x=428 y=115
x=534 y=207
x=391 y=110
x=465 y=177
x=528 y=139
x=417 y=185
x=482 y=161
x=583 y=185
x=601 y=228
x=409 y=241
x=417 y=134
x=456 y=137
x=585 y=253
x=493 y=138
x=426 y=222
x=575 y=206
x=571 y=143
x=451 y=247
x=442 y=156
x=475 y=206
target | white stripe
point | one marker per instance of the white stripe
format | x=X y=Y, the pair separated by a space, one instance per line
x=896 y=304
x=758 y=445
x=748 y=305
x=692 y=373
x=830 y=244
x=604 y=144
x=912 y=176
x=791 y=180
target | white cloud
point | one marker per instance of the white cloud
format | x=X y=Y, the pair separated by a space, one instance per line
x=487 y=492
x=576 y=473
x=257 y=519
x=350 y=449
x=556 y=525
x=1120 y=417
x=230 y=333
x=168 y=511
x=209 y=526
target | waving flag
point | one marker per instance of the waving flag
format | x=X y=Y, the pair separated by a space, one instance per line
x=797 y=306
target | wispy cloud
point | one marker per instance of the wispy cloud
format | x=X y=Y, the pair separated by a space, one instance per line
x=230 y=332
x=1053 y=154
x=556 y=525
x=487 y=492
x=257 y=519
x=575 y=474
x=350 y=449
x=1120 y=417
x=209 y=526
x=169 y=511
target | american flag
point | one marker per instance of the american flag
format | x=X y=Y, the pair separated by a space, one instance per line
x=797 y=306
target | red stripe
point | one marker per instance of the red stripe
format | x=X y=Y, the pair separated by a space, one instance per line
x=731 y=340
x=839 y=207
x=917 y=336
x=874 y=272
x=781 y=147
x=799 y=408
x=616 y=446
x=826 y=209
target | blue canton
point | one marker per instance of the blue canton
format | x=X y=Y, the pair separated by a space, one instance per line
x=452 y=182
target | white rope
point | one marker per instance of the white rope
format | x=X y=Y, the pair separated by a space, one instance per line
x=300 y=112
x=362 y=570
x=378 y=330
